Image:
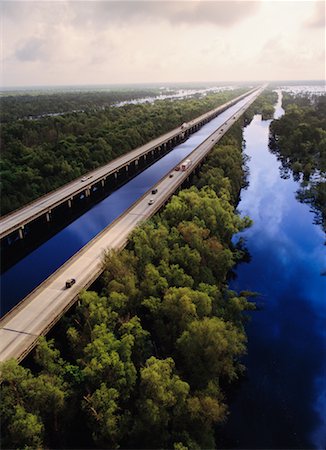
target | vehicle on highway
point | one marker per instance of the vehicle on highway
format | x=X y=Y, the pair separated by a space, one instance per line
x=70 y=282
x=184 y=166
x=177 y=169
x=154 y=191
x=86 y=178
x=150 y=201
x=171 y=175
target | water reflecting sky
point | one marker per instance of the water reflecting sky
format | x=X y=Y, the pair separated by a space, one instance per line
x=282 y=401
x=23 y=277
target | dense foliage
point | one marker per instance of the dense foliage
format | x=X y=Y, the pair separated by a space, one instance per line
x=263 y=105
x=299 y=140
x=42 y=155
x=28 y=105
x=143 y=362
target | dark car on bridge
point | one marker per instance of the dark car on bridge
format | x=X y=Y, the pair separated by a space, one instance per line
x=70 y=282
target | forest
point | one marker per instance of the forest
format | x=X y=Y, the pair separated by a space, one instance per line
x=39 y=156
x=143 y=361
x=145 y=357
x=263 y=105
x=26 y=105
x=299 y=140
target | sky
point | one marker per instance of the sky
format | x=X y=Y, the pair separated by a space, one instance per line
x=104 y=42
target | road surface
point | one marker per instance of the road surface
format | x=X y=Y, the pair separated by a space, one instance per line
x=46 y=203
x=40 y=310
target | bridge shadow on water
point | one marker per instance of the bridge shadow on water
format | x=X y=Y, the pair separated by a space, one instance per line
x=13 y=248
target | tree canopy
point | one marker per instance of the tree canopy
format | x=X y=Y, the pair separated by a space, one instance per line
x=143 y=361
x=41 y=155
x=299 y=140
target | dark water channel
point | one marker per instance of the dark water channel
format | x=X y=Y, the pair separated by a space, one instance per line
x=281 y=403
x=28 y=273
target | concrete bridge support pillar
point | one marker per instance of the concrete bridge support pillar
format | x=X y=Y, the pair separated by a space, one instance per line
x=102 y=182
x=48 y=216
x=21 y=232
x=70 y=203
x=87 y=192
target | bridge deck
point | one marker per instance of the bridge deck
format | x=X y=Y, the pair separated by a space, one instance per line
x=41 y=206
x=39 y=311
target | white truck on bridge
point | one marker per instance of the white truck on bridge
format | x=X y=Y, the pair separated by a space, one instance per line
x=185 y=165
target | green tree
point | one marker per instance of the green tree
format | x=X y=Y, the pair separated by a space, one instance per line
x=210 y=349
x=103 y=411
x=161 y=404
x=25 y=429
x=109 y=358
x=32 y=403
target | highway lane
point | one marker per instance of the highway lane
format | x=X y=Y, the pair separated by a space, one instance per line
x=49 y=201
x=38 y=312
x=19 y=218
x=35 y=315
x=49 y=256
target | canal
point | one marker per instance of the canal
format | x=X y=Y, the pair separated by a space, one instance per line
x=281 y=401
x=29 y=272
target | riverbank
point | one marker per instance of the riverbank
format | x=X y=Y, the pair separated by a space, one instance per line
x=281 y=401
x=162 y=304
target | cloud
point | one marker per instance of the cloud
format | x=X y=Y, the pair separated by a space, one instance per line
x=66 y=42
x=286 y=52
x=219 y=13
x=33 y=50
x=317 y=20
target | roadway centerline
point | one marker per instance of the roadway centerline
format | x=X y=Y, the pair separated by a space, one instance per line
x=18 y=331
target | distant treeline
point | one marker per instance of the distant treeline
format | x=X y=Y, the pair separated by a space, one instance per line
x=22 y=106
x=299 y=140
x=144 y=361
x=42 y=155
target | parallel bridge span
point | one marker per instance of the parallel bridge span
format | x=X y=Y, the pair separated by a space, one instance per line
x=44 y=206
x=40 y=310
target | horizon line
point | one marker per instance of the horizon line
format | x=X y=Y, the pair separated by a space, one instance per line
x=142 y=83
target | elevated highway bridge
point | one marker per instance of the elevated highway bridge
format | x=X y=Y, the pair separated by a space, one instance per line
x=40 y=310
x=45 y=207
